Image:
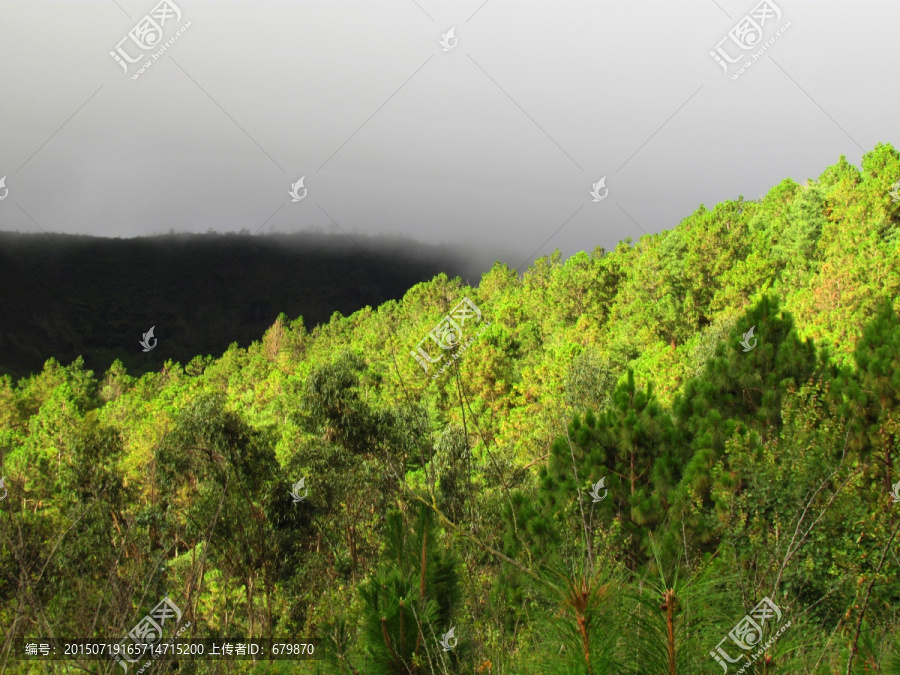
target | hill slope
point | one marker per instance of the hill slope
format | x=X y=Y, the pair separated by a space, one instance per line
x=67 y=296
x=604 y=480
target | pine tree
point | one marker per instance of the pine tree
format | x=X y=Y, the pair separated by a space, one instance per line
x=871 y=394
x=740 y=389
x=631 y=448
x=409 y=603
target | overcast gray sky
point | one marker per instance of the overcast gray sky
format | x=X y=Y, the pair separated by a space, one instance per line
x=494 y=138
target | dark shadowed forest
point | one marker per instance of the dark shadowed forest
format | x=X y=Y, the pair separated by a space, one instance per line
x=68 y=296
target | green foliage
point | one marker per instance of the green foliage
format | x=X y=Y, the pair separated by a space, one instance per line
x=409 y=602
x=465 y=498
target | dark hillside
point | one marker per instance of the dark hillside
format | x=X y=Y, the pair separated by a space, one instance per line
x=77 y=295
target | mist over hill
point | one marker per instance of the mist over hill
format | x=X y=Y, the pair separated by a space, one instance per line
x=67 y=296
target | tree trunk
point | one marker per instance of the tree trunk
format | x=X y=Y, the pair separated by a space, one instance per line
x=669 y=600
x=351 y=543
x=632 y=473
x=585 y=642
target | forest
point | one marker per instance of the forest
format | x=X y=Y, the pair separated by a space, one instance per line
x=66 y=295
x=679 y=456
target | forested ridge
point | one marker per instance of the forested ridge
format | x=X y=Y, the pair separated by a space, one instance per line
x=67 y=295
x=612 y=476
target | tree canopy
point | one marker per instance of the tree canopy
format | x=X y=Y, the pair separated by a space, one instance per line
x=607 y=471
